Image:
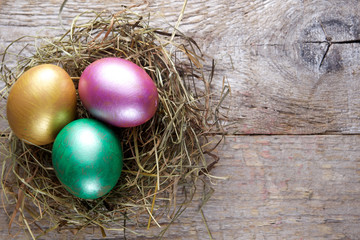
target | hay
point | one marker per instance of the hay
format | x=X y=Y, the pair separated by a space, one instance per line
x=161 y=157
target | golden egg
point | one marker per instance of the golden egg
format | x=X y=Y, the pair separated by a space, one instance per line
x=40 y=103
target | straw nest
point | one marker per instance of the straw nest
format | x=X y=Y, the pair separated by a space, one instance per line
x=162 y=157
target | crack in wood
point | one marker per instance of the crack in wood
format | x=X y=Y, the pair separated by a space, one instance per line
x=346 y=41
x=329 y=43
x=335 y=42
x=325 y=54
x=317 y=40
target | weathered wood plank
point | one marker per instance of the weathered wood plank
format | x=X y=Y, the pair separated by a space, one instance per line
x=270 y=52
x=289 y=188
x=279 y=187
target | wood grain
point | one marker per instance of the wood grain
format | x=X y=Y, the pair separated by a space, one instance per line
x=293 y=69
x=269 y=51
x=278 y=187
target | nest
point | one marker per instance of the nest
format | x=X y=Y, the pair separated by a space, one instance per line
x=162 y=158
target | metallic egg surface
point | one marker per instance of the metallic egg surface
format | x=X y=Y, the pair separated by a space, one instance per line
x=118 y=92
x=87 y=158
x=40 y=103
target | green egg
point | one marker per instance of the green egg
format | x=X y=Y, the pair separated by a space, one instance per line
x=87 y=158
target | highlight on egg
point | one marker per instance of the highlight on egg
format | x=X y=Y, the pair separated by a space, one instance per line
x=87 y=158
x=40 y=103
x=118 y=92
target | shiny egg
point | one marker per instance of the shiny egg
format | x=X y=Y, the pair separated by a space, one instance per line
x=40 y=103
x=118 y=92
x=87 y=158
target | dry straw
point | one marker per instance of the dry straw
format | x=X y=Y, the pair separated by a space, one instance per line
x=163 y=157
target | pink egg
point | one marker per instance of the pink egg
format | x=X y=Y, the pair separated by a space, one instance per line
x=118 y=92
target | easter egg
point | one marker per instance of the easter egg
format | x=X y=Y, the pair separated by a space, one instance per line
x=118 y=92
x=87 y=158
x=40 y=103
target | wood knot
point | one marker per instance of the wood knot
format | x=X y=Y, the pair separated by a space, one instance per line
x=325 y=44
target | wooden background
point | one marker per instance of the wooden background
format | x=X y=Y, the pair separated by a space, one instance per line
x=292 y=152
